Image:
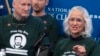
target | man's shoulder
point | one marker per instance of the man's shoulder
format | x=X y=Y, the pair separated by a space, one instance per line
x=5 y=16
x=35 y=18
x=35 y=21
x=50 y=17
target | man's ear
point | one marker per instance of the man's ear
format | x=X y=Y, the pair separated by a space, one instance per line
x=13 y=4
x=47 y=2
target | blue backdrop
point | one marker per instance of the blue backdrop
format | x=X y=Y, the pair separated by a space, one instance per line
x=60 y=8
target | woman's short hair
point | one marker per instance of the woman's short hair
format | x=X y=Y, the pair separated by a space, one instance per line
x=88 y=25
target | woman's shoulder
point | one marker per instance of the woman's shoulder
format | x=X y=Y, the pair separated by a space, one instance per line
x=63 y=41
x=91 y=41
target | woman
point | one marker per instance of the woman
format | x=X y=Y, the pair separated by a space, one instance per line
x=78 y=26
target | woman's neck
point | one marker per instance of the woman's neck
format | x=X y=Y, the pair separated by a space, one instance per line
x=76 y=35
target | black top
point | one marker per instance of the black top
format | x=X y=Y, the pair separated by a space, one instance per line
x=20 y=34
x=65 y=46
x=51 y=26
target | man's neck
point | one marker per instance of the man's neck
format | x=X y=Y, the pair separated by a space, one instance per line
x=42 y=13
x=18 y=17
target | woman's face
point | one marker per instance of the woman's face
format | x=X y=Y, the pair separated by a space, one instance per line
x=76 y=23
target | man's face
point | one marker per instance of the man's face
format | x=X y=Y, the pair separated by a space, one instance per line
x=39 y=5
x=18 y=41
x=22 y=7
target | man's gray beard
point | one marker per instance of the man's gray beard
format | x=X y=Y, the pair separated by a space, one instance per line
x=22 y=18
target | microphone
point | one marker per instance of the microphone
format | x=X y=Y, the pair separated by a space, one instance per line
x=42 y=34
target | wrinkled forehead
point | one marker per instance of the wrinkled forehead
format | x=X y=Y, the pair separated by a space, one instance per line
x=40 y=0
x=22 y=1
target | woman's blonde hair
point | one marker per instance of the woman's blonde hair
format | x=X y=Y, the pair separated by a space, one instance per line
x=88 y=25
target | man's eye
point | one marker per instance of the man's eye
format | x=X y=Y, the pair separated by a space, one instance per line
x=40 y=0
x=23 y=4
x=29 y=4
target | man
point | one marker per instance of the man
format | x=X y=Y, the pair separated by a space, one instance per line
x=18 y=41
x=50 y=24
x=20 y=23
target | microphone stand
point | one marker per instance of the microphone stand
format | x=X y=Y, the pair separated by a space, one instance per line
x=39 y=42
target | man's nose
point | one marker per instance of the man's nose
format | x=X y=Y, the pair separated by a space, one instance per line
x=27 y=8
